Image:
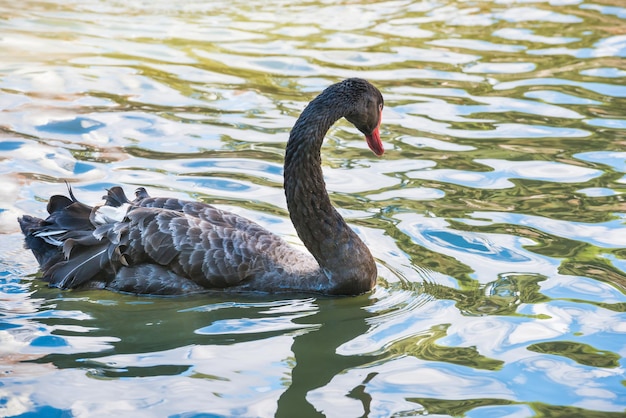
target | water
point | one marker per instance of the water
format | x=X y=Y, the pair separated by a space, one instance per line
x=496 y=215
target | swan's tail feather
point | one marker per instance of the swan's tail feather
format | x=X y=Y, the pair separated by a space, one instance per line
x=140 y=194
x=88 y=263
x=74 y=216
x=69 y=248
x=44 y=251
x=58 y=202
x=115 y=197
x=45 y=237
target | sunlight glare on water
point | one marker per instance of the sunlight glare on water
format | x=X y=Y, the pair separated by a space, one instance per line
x=496 y=215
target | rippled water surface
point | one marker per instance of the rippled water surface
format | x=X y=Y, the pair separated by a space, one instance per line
x=496 y=214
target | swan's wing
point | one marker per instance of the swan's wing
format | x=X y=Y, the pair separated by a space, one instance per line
x=213 y=248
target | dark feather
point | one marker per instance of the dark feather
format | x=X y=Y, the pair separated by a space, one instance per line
x=58 y=203
x=140 y=194
x=87 y=263
x=115 y=197
x=44 y=252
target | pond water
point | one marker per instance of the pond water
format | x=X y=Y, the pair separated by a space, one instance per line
x=496 y=216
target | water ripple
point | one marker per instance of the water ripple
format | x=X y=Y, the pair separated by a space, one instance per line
x=603 y=235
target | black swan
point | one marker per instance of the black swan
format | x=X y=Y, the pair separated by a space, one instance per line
x=166 y=246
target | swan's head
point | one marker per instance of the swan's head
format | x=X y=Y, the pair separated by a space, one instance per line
x=366 y=111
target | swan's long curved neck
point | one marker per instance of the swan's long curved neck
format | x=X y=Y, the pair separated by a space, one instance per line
x=343 y=258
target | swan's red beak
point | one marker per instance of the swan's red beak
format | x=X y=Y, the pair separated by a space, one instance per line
x=373 y=139
x=374 y=142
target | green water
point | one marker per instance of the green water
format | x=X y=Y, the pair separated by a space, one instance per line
x=496 y=215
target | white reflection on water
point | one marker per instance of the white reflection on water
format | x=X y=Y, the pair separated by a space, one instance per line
x=516 y=34
x=604 y=89
x=571 y=287
x=522 y=14
x=217 y=379
x=505 y=170
x=487 y=254
x=390 y=383
x=397 y=381
x=556 y=97
x=507 y=130
x=281 y=317
x=604 y=235
x=453 y=113
x=616 y=160
x=609 y=47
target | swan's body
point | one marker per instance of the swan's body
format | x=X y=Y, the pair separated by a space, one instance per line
x=164 y=246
